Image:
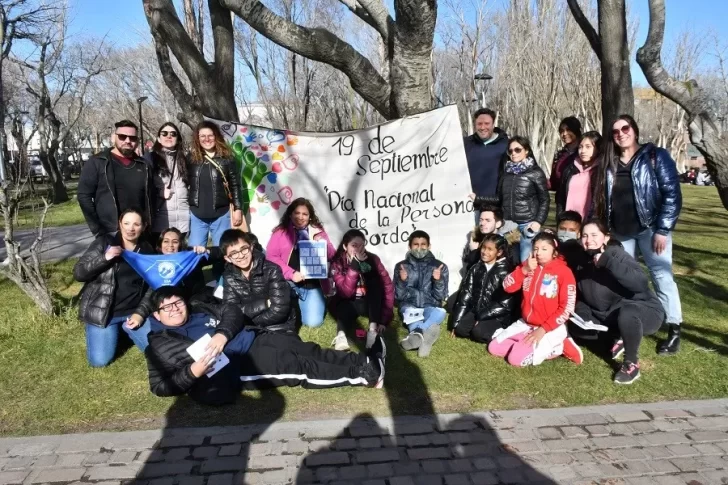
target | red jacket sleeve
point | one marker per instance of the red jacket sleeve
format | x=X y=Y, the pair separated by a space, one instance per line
x=566 y=298
x=388 y=287
x=514 y=281
x=345 y=278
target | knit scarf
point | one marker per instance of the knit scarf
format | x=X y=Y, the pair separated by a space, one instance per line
x=519 y=167
x=301 y=234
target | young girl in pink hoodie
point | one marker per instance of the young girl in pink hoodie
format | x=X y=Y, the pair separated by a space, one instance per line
x=578 y=178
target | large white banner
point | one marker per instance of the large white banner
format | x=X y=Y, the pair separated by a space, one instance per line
x=387 y=180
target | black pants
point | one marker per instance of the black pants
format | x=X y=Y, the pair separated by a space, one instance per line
x=630 y=322
x=277 y=359
x=347 y=311
x=479 y=331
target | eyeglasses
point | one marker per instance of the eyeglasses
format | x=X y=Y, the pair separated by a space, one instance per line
x=123 y=137
x=515 y=150
x=173 y=134
x=625 y=129
x=244 y=251
x=175 y=305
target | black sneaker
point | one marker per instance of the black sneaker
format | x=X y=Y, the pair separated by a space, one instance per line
x=628 y=373
x=617 y=349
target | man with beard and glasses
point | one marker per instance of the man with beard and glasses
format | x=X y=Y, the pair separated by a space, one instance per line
x=114 y=180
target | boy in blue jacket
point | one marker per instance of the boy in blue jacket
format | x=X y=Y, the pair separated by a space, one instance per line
x=420 y=282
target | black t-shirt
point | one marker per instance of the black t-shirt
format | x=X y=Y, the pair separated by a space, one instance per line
x=130 y=288
x=624 y=211
x=130 y=184
x=205 y=208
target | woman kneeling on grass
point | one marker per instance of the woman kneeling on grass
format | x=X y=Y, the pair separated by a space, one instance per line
x=112 y=289
x=363 y=288
x=549 y=295
x=614 y=291
x=483 y=306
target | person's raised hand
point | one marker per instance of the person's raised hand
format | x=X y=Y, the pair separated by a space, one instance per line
x=402 y=273
x=113 y=252
x=531 y=264
x=437 y=272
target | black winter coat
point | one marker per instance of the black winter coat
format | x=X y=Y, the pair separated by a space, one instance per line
x=264 y=297
x=615 y=280
x=169 y=363
x=523 y=197
x=97 y=193
x=482 y=293
x=99 y=278
x=219 y=194
x=420 y=290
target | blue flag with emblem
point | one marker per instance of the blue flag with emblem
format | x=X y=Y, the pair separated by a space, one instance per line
x=163 y=269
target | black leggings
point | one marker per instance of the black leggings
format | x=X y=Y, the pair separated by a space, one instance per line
x=277 y=359
x=479 y=331
x=347 y=311
x=630 y=322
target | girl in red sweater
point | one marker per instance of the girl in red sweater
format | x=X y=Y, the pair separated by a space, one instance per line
x=549 y=295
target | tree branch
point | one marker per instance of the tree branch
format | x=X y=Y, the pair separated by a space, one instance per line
x=586 y=27
x=318 y=45
x=374 y=13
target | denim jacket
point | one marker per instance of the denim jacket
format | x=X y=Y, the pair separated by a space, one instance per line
x=657 y=193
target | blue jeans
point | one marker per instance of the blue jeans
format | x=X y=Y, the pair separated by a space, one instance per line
x=660 y=267
x=312 y=303
x=526 y=244
x=433 y=316
x=101 y=342
x=199 y=231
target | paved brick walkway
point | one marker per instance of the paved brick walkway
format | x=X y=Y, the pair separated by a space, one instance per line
x=663 y=443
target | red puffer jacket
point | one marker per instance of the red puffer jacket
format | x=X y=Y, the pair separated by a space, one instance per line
x=549 y=293
x=346 y=278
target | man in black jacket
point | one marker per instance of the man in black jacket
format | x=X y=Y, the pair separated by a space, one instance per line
x=255 y=284
x=115 y=180
x=257 y=359
x=485 y=151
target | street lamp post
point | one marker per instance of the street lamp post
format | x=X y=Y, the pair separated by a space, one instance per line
x=141 y=125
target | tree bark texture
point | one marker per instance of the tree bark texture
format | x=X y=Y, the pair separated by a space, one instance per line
x=212 y=83
x=704 y=130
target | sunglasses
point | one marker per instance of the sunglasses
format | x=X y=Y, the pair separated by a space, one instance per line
x=132 y=138
x=515 y=150
x=173 y=134
x=175 y=305
x=625 y=129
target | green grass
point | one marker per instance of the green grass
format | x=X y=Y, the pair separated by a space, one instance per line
x=46 y=386
x=63 y=214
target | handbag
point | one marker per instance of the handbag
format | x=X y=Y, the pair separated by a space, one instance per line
x=229 y=194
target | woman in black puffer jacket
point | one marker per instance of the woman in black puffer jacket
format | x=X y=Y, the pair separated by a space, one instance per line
x=483 y=306
x=522 y=192
x=112 y=289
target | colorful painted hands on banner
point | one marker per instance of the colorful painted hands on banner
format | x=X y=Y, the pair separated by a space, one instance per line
x=266 y=162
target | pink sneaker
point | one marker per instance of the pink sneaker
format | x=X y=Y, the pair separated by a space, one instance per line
x=572 y=351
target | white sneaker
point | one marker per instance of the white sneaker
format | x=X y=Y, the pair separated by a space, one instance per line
x=340 y=342
x=371 y=335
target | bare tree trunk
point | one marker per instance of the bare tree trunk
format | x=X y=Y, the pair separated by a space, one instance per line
x=704 y=129
x=612 y=49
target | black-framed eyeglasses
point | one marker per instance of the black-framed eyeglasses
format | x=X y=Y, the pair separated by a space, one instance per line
x=123 y=137
x=173 y=134
x=244 y=251
x=175 y=305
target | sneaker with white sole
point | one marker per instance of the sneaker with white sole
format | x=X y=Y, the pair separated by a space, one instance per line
x=572 y=351
x=412 y=341
x=617 y=349
x=371 y=337
x=376 y=359
x=340 y=342
x=628 y=373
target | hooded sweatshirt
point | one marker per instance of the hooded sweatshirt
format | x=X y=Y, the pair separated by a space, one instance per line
x=549 y=293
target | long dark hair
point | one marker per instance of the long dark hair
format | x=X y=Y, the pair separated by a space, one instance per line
x=610 y=159
x=285 y=221
x=349 y=236
x=221 y=147
x=596 y=139
x=160 y=158
x=182 y=241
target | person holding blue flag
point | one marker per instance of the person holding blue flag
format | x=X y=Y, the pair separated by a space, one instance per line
x=112 y=288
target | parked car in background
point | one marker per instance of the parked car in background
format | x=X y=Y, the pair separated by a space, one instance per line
x=37 y=171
